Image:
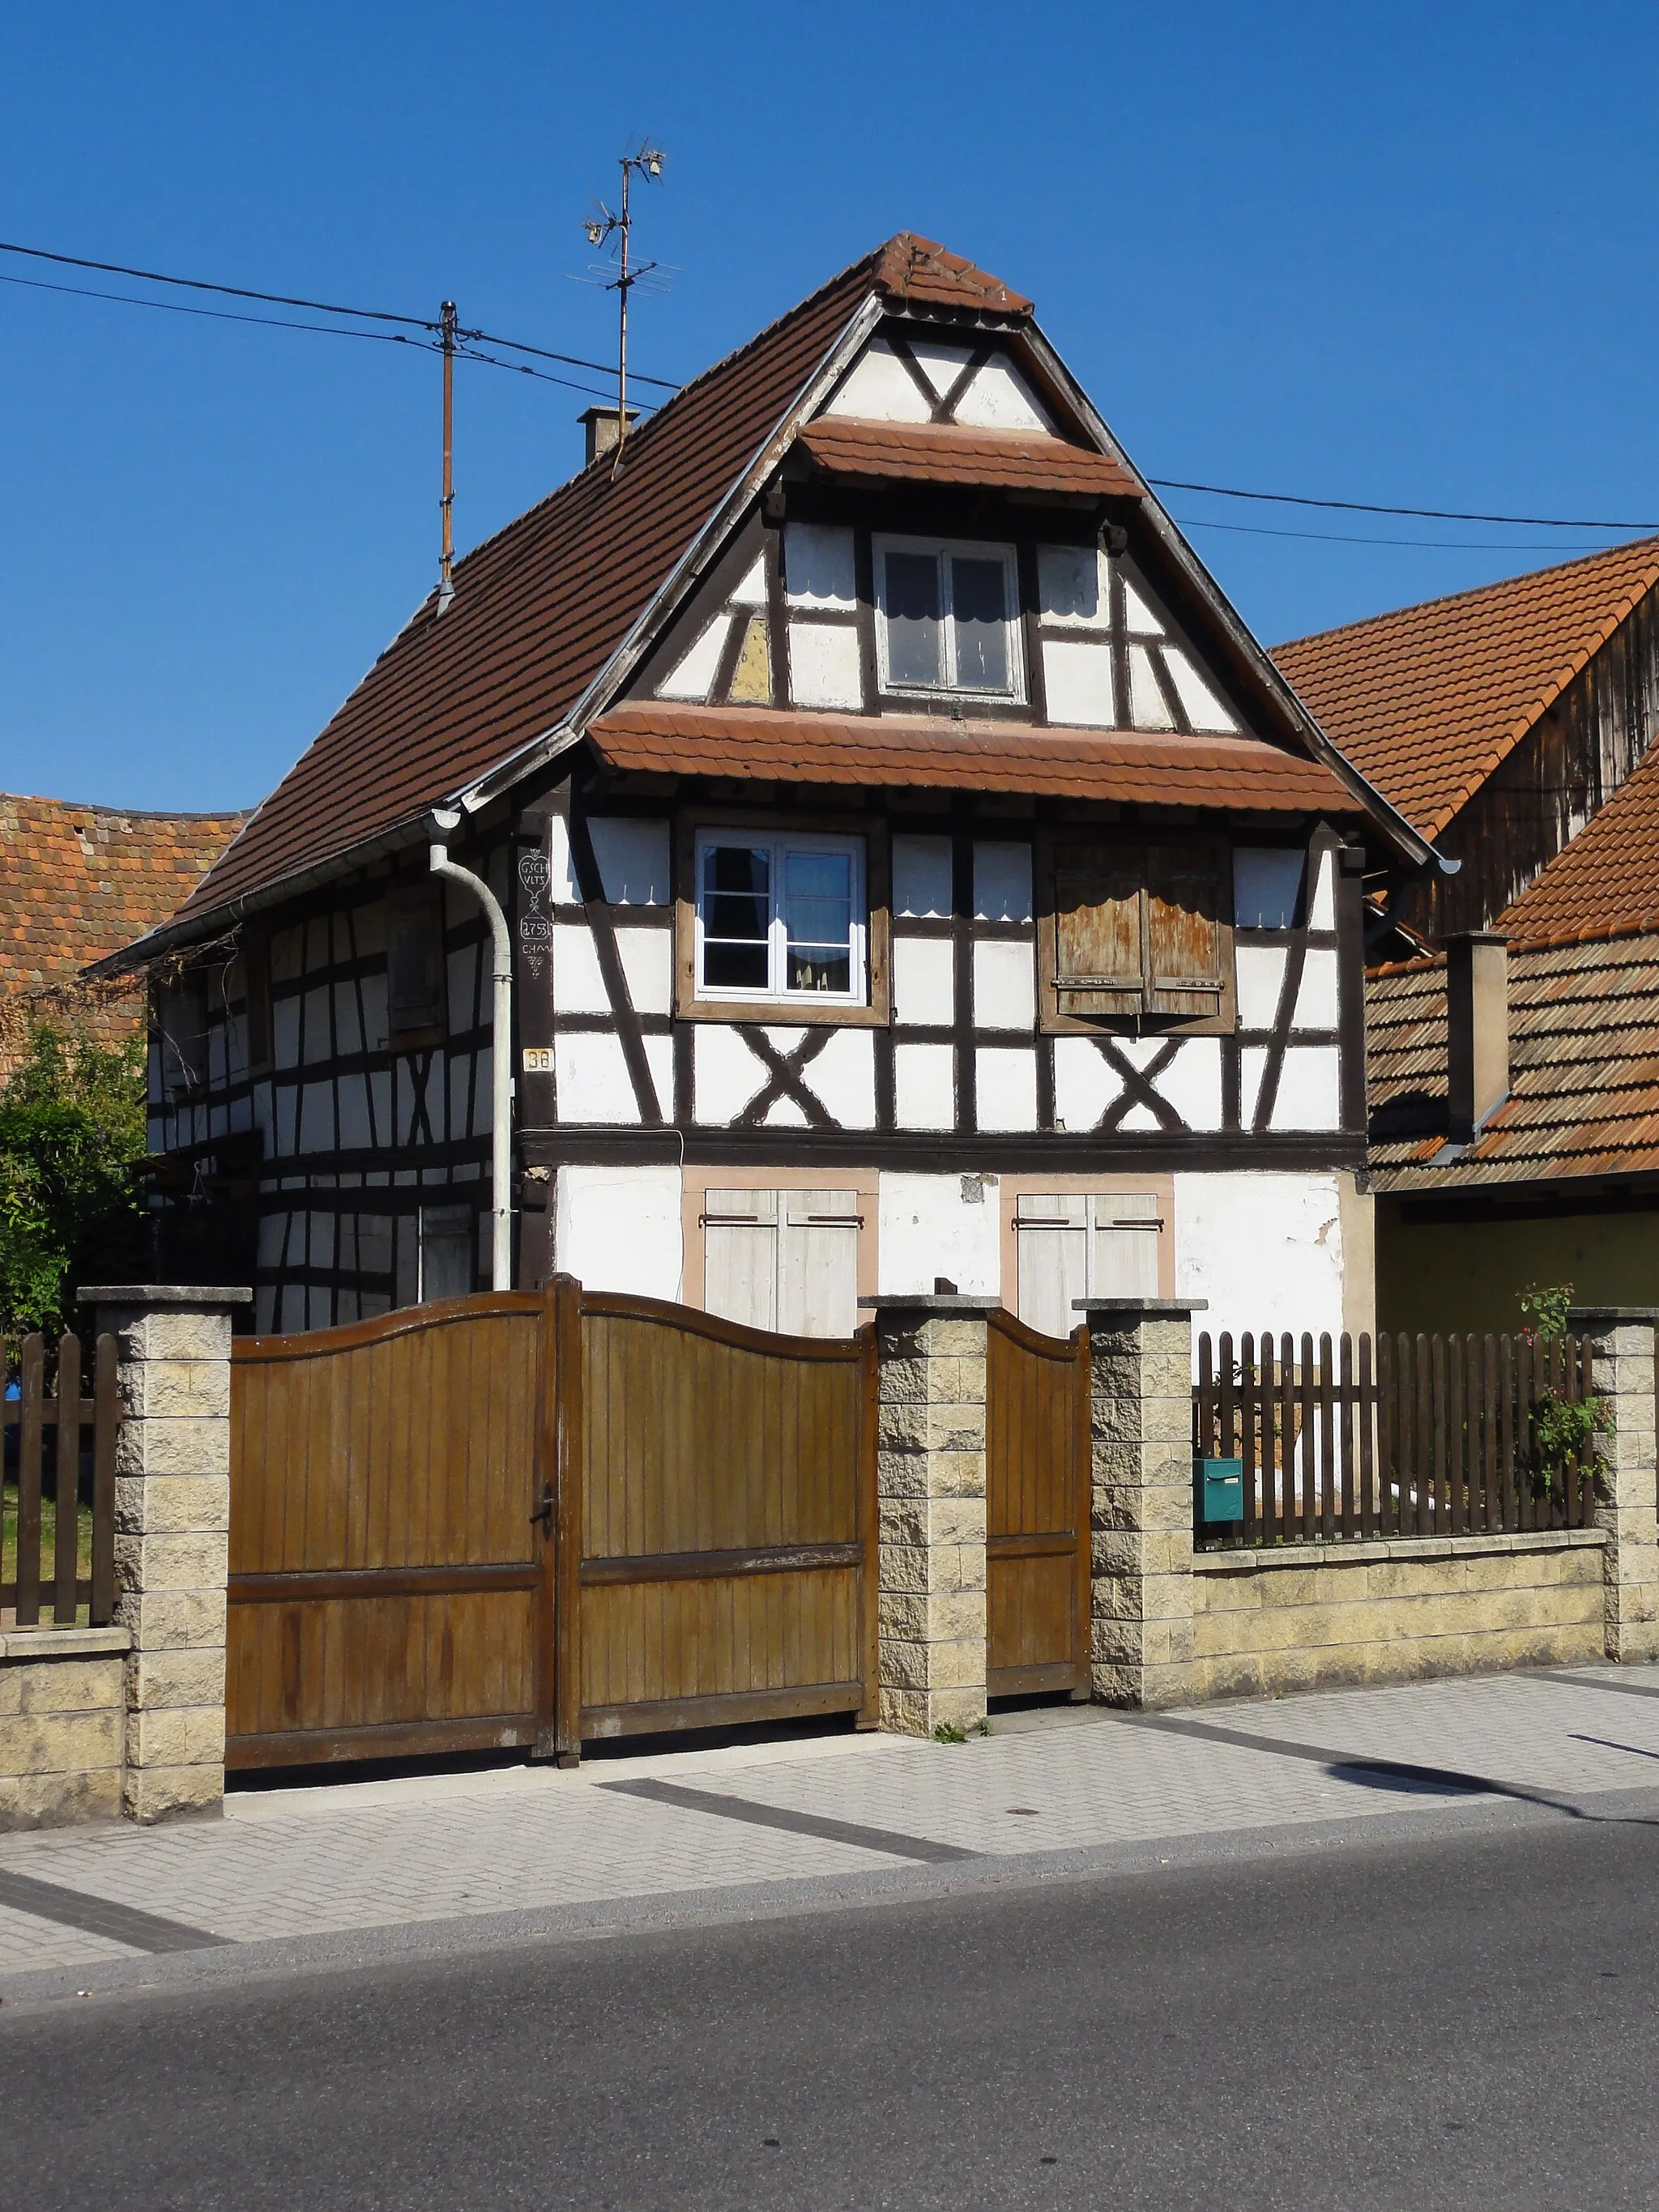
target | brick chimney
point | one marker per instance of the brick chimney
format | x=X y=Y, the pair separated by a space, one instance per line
x=1478 y=1029
x=600 y=424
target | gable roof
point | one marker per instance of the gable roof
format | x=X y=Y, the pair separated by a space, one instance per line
x=1604 y=881
x=80 y=882
x=1584 y=1070
x=548 y=616
x=1428 y=700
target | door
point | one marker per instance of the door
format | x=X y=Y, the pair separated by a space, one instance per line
x=1037 y=1484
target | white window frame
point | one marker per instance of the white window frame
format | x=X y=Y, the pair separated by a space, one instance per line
x=777 y=844
x=942 y=548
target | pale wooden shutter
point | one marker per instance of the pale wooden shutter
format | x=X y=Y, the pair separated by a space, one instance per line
x=818 y=1263
x=740 y=1256
x=1188 y=943
x=1099 y=956
x=1051 y=1244
x=1127 y=1233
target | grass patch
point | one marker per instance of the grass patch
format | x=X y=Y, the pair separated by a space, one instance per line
x=48 y=1537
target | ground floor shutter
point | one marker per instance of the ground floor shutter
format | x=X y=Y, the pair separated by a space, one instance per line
x=783 y=1260
x=1104 y=1245
x=1128 y=1231
x=740 y=1256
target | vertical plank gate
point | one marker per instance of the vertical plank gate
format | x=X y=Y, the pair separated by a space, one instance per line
x=1036 y=1481
x=717 y=1511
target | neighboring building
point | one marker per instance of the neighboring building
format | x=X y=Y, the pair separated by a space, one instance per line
x=1540 y=1163
x=1497 y=720
x=78 y=883
x=917 y=874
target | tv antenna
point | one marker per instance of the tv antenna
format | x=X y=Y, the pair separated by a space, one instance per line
x=601 y=229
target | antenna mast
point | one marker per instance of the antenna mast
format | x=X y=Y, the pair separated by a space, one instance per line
x=648 y=162
x=447 y=555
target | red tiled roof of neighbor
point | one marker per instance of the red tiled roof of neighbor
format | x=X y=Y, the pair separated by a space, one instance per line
x=1426 y=701
x=80 y=882
x=1604 y=881
x=876 y=751
x=938 y=452
x=541 y=607
x=1583 y=1069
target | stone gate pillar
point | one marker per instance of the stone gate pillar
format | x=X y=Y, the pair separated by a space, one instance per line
x=1140 y=1428
x=172 y=1535
x=1622 y=1345
x=931 y=1489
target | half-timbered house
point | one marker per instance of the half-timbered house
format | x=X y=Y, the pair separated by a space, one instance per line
x=917 y=876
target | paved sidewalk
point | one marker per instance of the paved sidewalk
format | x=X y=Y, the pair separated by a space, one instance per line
x=307 y=1863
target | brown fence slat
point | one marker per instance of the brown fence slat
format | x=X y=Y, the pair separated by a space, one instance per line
x=1506 y=1433
x=67 y=1490
x=1456 y=1521
x=1285 y=1446
x=1204 y=1409
x=106 y=1414
x=1226 y=1404
x=1525 y=1371
x=30 y=1453
x=1325 y=1391
x=1348 y=1407
x=1253 y=1518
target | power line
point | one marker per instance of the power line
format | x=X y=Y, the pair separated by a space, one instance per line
x=215 y=314
x=575 y=362
x=232 y=291
x=1421 y=514
x=1433 y=544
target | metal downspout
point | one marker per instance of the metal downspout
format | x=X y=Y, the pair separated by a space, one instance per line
x=445 y=820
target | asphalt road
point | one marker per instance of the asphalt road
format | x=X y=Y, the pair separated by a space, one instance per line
x=1461 y=2021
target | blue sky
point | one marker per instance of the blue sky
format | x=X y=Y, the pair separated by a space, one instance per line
x=1395 y=253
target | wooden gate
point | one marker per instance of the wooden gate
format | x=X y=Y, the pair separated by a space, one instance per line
x=523 y=1520
x=390 y=1585
x=1036 y=1481
x=717 y=1520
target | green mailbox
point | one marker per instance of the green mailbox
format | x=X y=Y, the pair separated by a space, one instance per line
x=1221 y=1489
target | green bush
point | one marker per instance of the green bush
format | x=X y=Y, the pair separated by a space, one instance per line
x=72 y=1142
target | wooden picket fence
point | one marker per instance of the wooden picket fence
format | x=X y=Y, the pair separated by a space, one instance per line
x=1420 y=1436
x=48 y=1437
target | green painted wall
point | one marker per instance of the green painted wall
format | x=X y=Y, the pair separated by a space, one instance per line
x=1470 y=1274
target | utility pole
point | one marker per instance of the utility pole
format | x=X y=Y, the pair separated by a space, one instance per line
x=603 y=227
x=447 y=556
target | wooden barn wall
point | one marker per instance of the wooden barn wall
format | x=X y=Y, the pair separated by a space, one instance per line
x=1570 y=763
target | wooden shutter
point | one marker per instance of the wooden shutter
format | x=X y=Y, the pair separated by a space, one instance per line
x=1051 y=1244
x=1099 y=953
x=818 y=1263
x=740 y=1256
x=1189 y=965
x=1127 y=1234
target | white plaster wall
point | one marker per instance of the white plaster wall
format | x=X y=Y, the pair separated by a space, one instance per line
x=578 y=988
x=999 y=399
x=1084 y=1084
x=880 y=389
x=1316 y=1001
x=924 y=1087
x=824 y=669
x=1310 y=1089
x=927 y=1230
x=1077 y=678
x=924 y=980
x=1004 y=985
x=727 y=1074
x=592 y=1078
x=1192 y=1083
x=1005 y=1084
x=647 y=964
x=1265 y=1249
x=692 y=674
x=1260 y=972
x=618 y=1229
x=843 y=1076
x=1322 y=907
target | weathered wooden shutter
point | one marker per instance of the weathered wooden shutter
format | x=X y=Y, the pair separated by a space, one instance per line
x=448 y=1252
x=1127 y=1234
x=818 y=1263
x=1099 y=949
x=1188 y=943
x=1051 y=1244
x=740 y=1256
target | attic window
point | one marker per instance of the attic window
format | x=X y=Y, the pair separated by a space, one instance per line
x=947 y=618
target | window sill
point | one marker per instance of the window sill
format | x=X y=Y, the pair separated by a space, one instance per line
x=784 y=1013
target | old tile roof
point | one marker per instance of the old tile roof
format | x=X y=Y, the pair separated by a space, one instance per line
x=541 y=607
x=1426 y=701
x=79 y=882
x=1606 y=879
x=938 y=452
x=1584 y=1070
x=941 y=753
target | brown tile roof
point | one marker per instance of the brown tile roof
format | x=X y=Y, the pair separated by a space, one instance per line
x=1584 y=1070
x=938 y=452
x=80 y=882
x=1426 y=701
x=541 y=607
x=1606 y=879
x=889 y=750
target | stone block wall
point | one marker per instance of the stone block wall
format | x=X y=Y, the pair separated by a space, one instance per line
x=63 y=1725
x=1317 y=1616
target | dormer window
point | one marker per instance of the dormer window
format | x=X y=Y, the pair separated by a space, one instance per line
x=947 y=618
